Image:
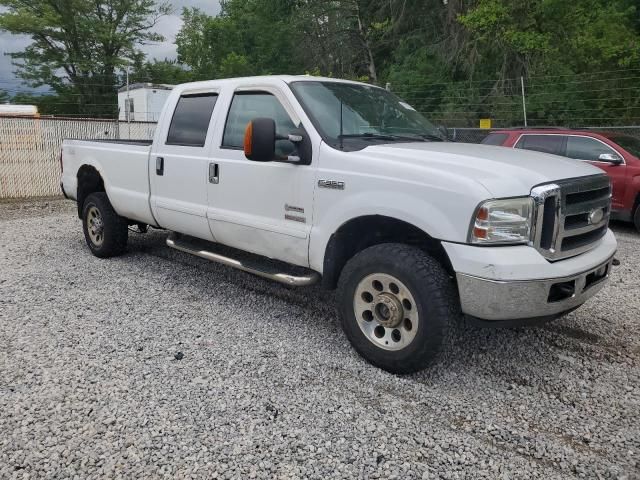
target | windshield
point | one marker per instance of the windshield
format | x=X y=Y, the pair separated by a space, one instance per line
x=630 y=144
x=369 y=115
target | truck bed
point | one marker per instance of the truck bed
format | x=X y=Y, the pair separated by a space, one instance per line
x=123 y=167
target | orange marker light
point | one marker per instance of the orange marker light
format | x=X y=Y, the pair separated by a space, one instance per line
x=248 y=133
x=479 y=232
x=483 y=214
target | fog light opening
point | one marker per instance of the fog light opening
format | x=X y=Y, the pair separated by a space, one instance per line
x=562 y=291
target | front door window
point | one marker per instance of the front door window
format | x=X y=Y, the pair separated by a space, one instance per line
x=585 y=148
x=249 y=105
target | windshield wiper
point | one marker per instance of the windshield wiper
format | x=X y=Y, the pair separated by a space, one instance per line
x=382 y=136
x=431 y=137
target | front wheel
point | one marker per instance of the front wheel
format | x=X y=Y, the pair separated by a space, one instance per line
x=636 y=218
x=105 y=232
x=398 y=306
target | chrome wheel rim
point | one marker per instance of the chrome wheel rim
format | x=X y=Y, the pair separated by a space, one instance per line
x=386 y=311
x=95 y=226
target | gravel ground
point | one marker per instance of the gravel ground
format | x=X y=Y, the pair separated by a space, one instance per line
x=157 y=364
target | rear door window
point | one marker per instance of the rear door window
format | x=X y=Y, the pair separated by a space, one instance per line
x=542 y=143
x=585 y=148
x=495 y=139
x=191 y=119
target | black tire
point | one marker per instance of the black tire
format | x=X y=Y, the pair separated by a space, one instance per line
x=433 y=292
x=636 y=217
x=115 y=230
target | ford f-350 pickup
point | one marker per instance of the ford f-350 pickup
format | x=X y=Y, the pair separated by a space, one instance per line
x=343 y=183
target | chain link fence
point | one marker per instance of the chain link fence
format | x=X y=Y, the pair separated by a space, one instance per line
x=30 y=147
x=30 y=150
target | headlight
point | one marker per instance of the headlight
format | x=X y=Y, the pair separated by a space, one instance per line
x=502 y=221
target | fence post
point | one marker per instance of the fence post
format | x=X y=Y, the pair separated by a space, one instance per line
x=524 y=101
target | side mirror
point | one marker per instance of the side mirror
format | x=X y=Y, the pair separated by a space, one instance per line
x=260 y=140
x=611 y=158
x=260 y=143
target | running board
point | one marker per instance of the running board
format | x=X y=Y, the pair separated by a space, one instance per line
x=195 y=248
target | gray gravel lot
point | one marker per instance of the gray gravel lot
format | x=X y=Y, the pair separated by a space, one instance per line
x=268 y=386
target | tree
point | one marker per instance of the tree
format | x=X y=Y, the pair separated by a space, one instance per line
x=339 y=37
x=195 y=42
x=544 y=36
x=559 y=40
x=456 y=60
x=158 y=71
x=78 y=45
x=48 y=104
x=4 y=97
x=248 y=37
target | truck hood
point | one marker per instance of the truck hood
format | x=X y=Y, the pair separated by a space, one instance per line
x=504 y=172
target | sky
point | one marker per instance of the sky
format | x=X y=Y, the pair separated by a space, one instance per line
x=167 y=26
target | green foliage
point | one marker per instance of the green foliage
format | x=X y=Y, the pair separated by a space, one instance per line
x=50 y=104
x=457 y=61
x=248 y=37
x=78 y=45
x=4 y=97
x=557 y=44
x=540 y=36
x=157 y=71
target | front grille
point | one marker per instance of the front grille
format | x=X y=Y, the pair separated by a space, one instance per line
x=571 y=215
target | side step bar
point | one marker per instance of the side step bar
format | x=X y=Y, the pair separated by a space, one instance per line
x=177 y=242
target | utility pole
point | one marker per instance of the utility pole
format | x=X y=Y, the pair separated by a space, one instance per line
x=524 y=102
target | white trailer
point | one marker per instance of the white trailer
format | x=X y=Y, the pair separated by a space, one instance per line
x=142 y=102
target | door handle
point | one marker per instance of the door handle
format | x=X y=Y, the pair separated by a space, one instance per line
x=214 y=173
x=159 y=165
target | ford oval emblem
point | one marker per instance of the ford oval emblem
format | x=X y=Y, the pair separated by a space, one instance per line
x=596 y=216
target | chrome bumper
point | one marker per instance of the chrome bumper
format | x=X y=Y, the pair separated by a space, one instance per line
x=523 y=299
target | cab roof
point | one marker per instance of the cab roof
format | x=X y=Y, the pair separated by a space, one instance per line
x=265 y=79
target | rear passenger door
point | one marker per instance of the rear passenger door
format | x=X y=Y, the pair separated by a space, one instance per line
x=590 y=149
x=179 y=163
x=545 y=143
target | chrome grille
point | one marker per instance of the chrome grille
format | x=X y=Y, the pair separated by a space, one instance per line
x=571 y=215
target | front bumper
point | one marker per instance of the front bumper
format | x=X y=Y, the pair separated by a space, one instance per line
x=517 y=283
x=488 y=299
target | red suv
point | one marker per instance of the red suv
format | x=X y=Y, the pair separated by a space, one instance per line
x=615 y=153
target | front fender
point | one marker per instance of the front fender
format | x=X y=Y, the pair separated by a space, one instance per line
x=329 y=216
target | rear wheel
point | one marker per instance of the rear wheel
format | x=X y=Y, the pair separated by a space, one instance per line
x=105 y=232
x=636 y=217
x=398 y=306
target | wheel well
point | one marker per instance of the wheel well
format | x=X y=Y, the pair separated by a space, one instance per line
x=363 y=232
x=89 y=181
x=636 y=208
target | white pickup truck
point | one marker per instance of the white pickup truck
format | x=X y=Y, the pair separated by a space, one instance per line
x=314 y=179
